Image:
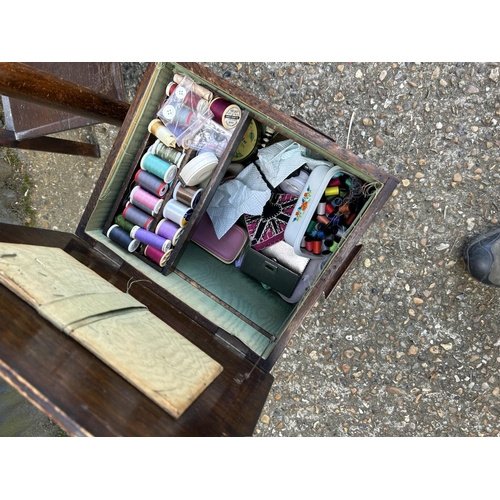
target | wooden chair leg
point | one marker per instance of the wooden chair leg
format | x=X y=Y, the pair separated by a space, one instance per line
x=49 y=145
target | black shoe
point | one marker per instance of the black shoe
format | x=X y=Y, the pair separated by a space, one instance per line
x=482 y=258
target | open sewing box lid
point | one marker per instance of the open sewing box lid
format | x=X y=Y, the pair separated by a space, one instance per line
x=83 y=394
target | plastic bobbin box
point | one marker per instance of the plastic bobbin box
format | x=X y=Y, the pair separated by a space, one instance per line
x=306 y=206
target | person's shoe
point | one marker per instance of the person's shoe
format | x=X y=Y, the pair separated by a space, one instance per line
x=482 y=258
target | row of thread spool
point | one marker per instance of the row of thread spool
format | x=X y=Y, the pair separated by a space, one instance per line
x=137 y=228
x=136 y=224
x=340 y=204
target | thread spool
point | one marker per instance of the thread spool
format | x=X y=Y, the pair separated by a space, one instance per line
x=187 y=195
x=350 y=219
x=309 y=243
x=151 y=183
x=169 y=230
x=320 y=209
x=156 y=166
x=170 y=88
x=332 y=191
x=170 y=155
x=316 y=246
x=121 y=237
x=180 y=116
x=124 y=223
x=159 y=130
x=157 y=256
x=334 y=182
x=150 y=238
x=177 y=212
x=225 y=113
x=145 y=200
x=190 y=99
x=194 y=87
x=323 y=218
x=137 y=216
x=329 y=208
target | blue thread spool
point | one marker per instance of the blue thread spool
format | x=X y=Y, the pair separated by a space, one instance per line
x=121 y=237
x=151 y=183
x=137 y=216
x=156 y=166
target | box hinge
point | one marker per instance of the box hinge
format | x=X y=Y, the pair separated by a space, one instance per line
x=231 y=342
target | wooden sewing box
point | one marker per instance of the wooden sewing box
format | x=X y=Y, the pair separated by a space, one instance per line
x=244 y=332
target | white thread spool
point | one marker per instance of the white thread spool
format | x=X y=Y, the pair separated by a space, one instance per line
x=177 y=212
x=158 y=129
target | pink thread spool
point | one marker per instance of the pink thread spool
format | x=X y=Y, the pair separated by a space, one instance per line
x=157 y=256
x=145 y=200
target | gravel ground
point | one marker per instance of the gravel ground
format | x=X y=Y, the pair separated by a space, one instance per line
x=408 y=343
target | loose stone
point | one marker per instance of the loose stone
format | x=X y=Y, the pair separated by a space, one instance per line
x=457 y=177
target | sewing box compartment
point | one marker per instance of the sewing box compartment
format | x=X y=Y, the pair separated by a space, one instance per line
x=176 y=220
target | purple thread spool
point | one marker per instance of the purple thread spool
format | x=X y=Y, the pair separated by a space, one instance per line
x=169 y=230
x=151 y=183
x=121 y=237
x=137 y=216
x=150 y=238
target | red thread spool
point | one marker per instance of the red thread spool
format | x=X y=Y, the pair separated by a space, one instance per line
x=317 y=247
x=309 y=243
x=350 y=219
x=171 y=88
x=323 y=218
x=334 y=182
x=329 y=208
x=225 y=113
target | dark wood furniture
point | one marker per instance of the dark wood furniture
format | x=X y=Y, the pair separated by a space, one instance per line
x=85 y=396
x=45 y=98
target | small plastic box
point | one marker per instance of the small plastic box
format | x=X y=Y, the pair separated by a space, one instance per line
x=306 y=205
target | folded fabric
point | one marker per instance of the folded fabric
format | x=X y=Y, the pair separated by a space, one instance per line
x=246 y=194
x=283 y=158
x=267 y=229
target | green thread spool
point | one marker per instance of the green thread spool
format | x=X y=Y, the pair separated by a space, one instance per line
x=156 y=166
x=124 y=223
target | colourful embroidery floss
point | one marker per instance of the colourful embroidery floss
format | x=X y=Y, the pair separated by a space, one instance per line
x=156 y=166
x=145 y=200
x=151 y=183
x=149 y=238
x=137 y=216
x=121 y=237
x=169 y=230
